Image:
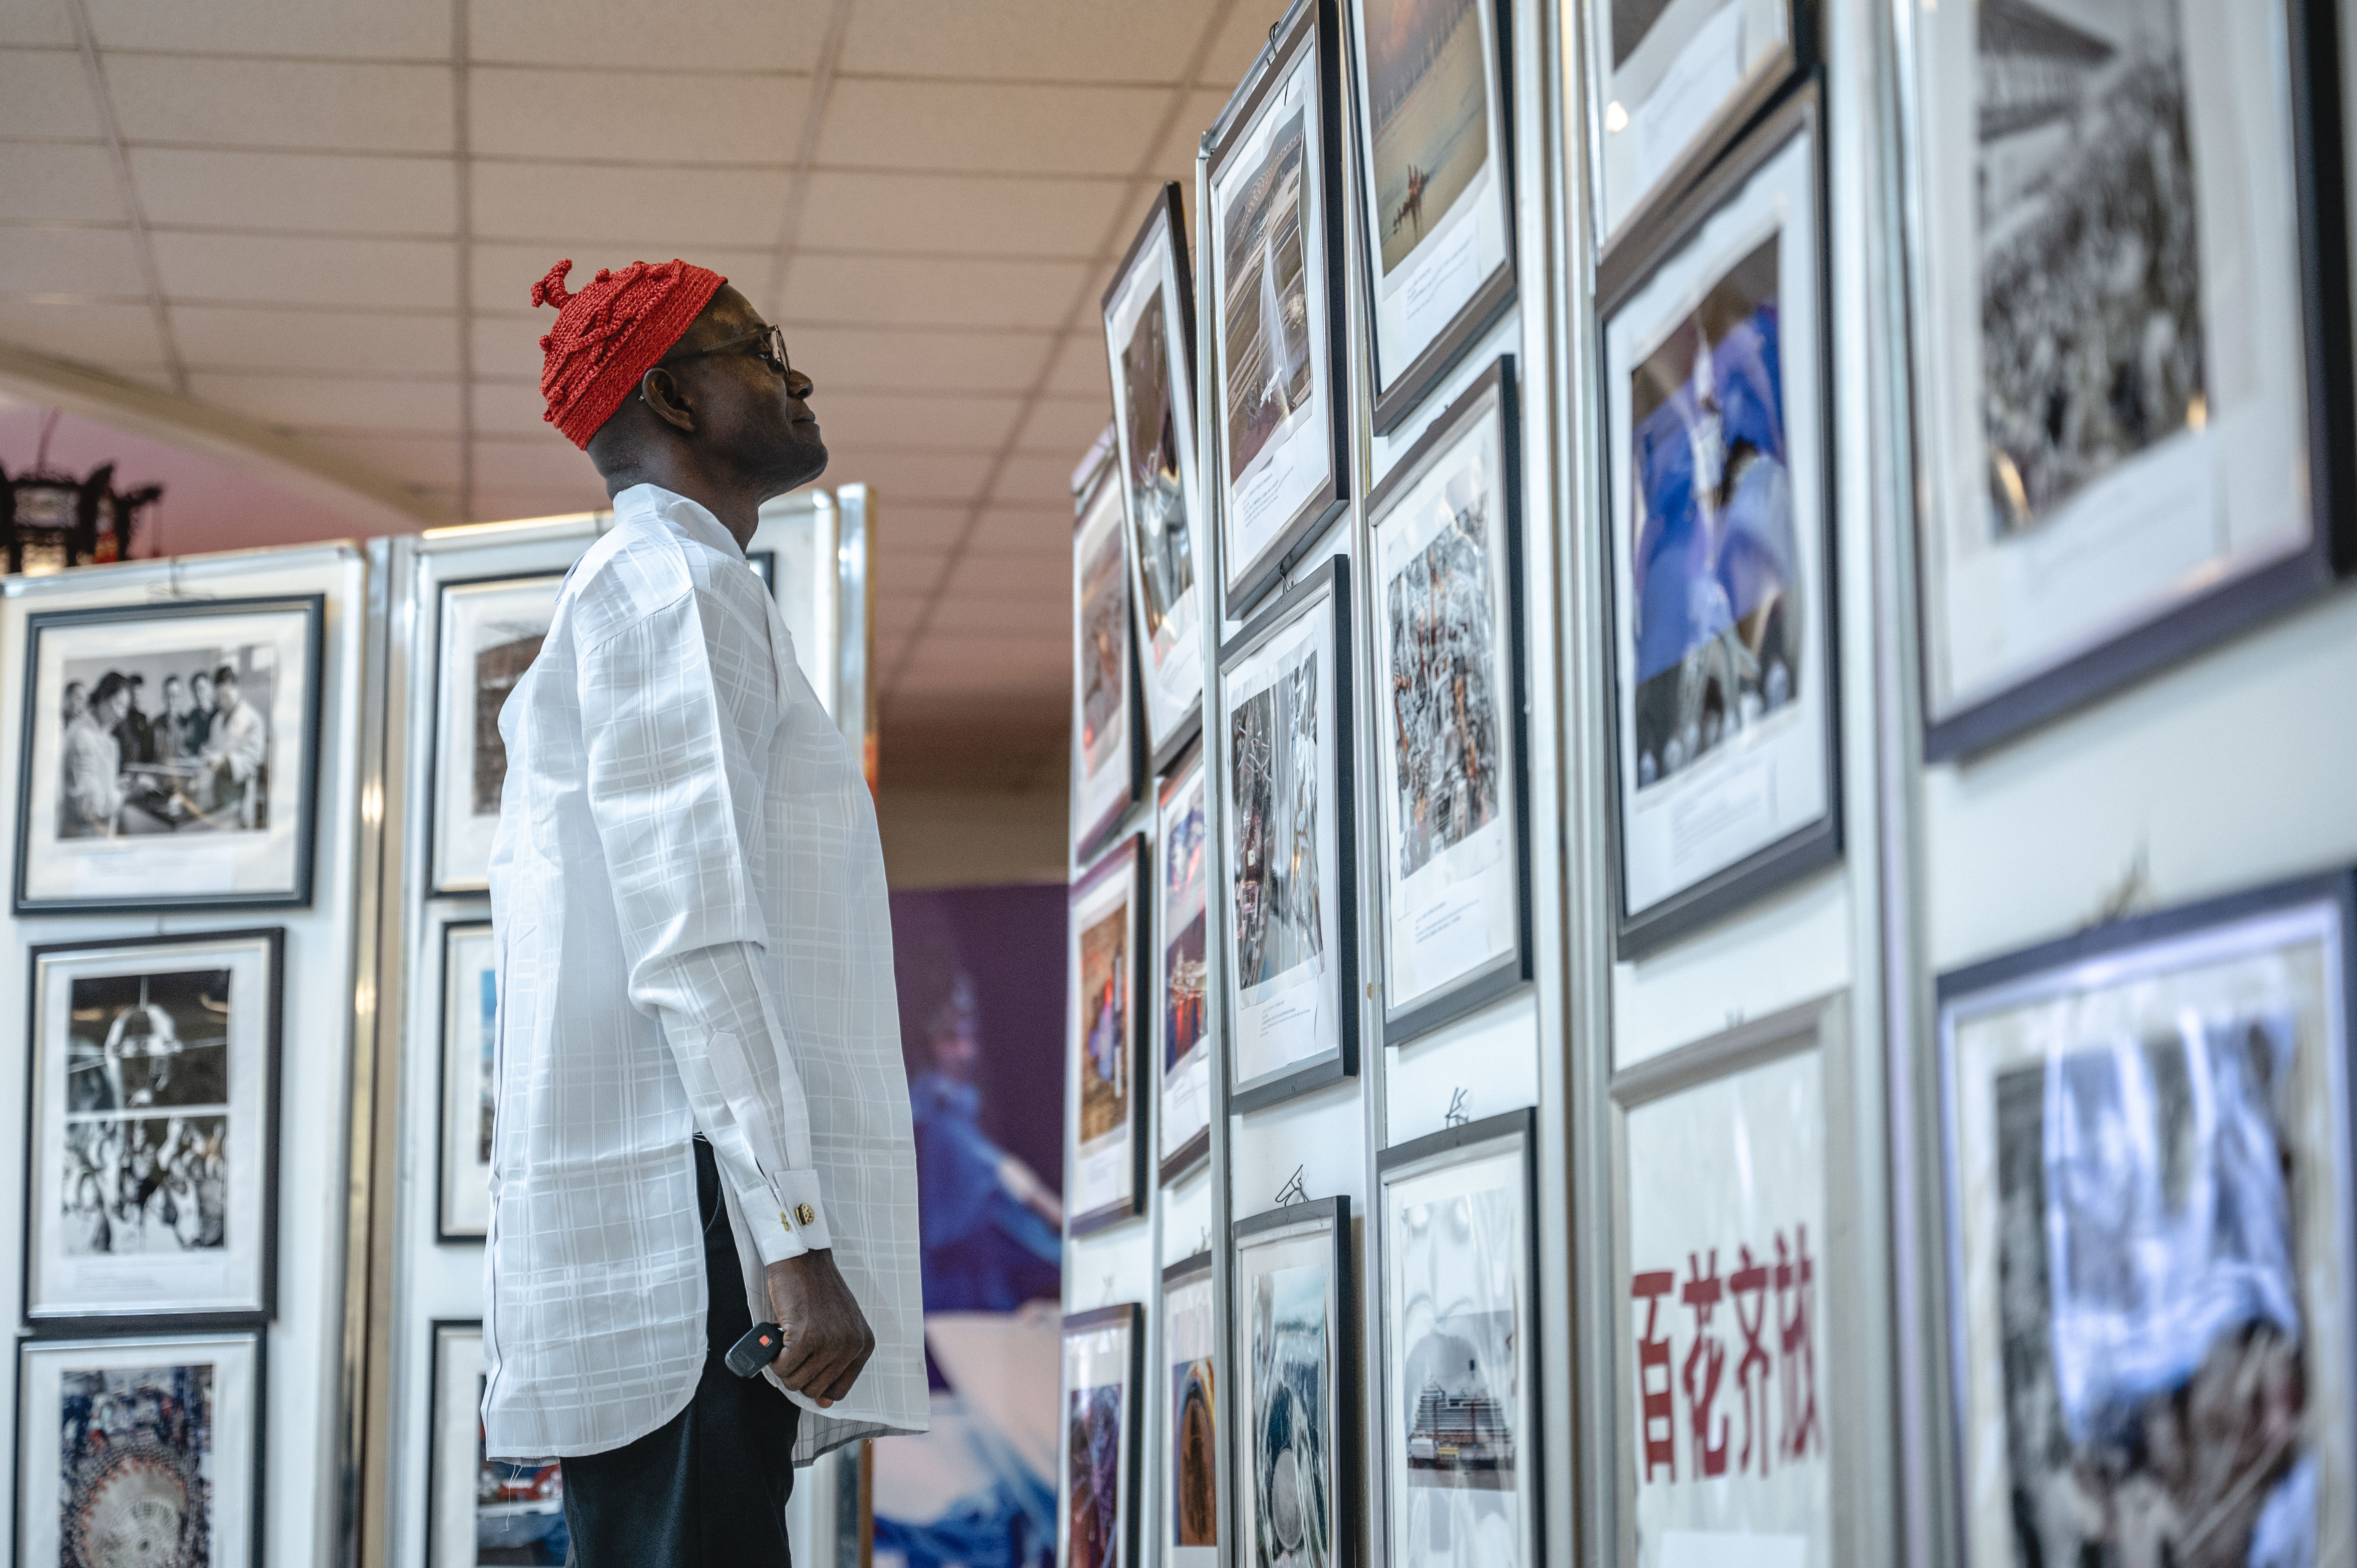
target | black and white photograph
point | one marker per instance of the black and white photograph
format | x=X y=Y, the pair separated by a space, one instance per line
x=480 y=1510
x=169 y=756
x=1274 y=252
x=1676 y=79
x=150 y=1129
x=1718 y=527
x=1150 y=340
x=1446 y=541
x=1295 y=1445
x=1285 y=753
x=1108 y=759
x=470 y=1010
x=1456 y=1320
x=1104 y=1117
x=2148 y=1159
x=1190 y=1463
x=1096 y=1503
x=139 y=1451
x=1431 y=154
x=491 y=631
x=1182 y=929
x=2112 y=355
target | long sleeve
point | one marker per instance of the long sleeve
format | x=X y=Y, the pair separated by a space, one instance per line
x=678 y=708
x=90 y=777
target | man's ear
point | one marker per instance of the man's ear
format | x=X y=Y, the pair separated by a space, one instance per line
x=667 y=399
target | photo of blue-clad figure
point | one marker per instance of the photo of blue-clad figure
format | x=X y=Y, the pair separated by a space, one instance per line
x=980 y=972
x=1717 y=612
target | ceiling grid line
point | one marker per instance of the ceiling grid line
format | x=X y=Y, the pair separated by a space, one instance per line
x=94 y=72
x=829 y=54
x=462 y=176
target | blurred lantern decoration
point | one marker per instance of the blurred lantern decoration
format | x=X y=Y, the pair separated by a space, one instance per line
x=52 y=521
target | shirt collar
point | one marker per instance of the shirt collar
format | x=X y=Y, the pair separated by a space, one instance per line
x=668 y=509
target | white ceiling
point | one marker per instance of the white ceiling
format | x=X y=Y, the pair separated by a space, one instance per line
x=328 y=215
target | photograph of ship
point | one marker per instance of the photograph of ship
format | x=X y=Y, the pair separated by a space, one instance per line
x=1093 y=1432
x=135 y=1447
x=146 y=1126
x=1428 y=106
x=1267 y=303
x=1104 y=1038
x=1457 y=1395
x=1195 y=1456
x=1715 y=601
x=1459 y=1433
x=1157 y=507
x=1444 y=685
x=1272 y=762
x=2089 y=251
x=504 y=649
x=1292 y=1445
x=1183 y=915
x=2149 y=1300
x=1104 y=617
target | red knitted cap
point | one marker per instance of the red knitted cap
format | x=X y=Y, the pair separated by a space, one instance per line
x=610 y=334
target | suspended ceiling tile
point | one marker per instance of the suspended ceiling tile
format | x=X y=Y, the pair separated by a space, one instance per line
x=417 y=460
x=1032 y=531
x=909 y=475
x=1082 y=368
x=959 y=214
x=778 y=35
x=339 y=29
x=333 y=193
x=1176 y=160
x=300 y=105
x=905 y=419
x=509 y=346
x=345 y=405
x=44 y=92
x=705 y=116
x=908 y=572
x=1241 y=40
x=511 y=408
x=675 y=210
x=1029 y=477
x=1055 y=40
x=503 y=273
x=549 y=461
x=961 y=613
x=224 y=338
x=910 y=292
x=1063 y=425
x=114 y=337
x=390 y=274
x=35 y=24
x=928 y=527
x=896 y=613
x=69 y=260
x=497 y=504
x=44 y=184
x=1020 y=575
x=884 y=359
x=988 y=126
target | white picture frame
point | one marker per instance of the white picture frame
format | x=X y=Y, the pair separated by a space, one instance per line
x=1675 y=79
x=473 y=1502
x=1182 y=922
x=1108 y=742
x=491 y=630
x=469 y=1017
x=1107 y=1005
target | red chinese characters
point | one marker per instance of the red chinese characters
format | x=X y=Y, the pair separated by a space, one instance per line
x=1772 y=1340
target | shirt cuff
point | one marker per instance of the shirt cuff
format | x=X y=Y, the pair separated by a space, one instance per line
x=795 y=1224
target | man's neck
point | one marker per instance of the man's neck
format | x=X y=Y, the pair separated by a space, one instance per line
x=738 y=512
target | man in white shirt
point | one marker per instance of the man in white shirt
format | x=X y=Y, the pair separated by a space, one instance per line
x=702 y=1118
x=237 y=749
x=94 y=785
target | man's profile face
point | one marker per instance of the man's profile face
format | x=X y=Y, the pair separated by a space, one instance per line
x=757 y=419
x=224 y=695
x=77 y=701
x=111 y=711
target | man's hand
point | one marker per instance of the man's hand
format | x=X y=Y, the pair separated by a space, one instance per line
x=826 y=1339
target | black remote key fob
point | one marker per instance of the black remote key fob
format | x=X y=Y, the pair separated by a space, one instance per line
x=756 y=1350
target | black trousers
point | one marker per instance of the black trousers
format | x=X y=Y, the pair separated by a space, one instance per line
x=708 y=1488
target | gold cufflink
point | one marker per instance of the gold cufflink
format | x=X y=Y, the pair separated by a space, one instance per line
x=805 y=1213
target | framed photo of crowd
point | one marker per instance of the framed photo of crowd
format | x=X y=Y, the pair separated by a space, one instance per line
x=492 y=630
x=1718 y=519
x=1108 y=742
x=470 y=1008
x=1290 y=908
x=1274 y=250
x=1181 y=934
x=1096 y=1495
x=1105 y=1115
x=151 y=1132
x=1297 y=1442
x=170 y=755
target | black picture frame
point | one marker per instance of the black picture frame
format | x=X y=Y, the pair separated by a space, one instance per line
x=313 y=607
x=1089 y=835
x=1331 y=580
x=1333 y=1215
x=1310 y=26
x=258 y=1466
x=1182 y=1162
x=76 y=1325
x=1470 y=1140
x=1818 y=844
x=1501 y=976
x=764 y=566
x=1399 y=394
x=443 y=1231
x=1130 y=1318
x=1126 y=857
x=1196 y=1270
x=434 y=1332
x=437 y=813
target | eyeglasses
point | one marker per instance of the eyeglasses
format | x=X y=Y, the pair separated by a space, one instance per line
x=768 y=345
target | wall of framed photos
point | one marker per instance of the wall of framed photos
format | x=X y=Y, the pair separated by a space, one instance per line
x=1748 y=644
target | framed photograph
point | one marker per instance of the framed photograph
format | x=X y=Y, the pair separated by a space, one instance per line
x=1149 y=319
x=1677 y=81
x=139 y=1451
x=764 y=566
x=1191 y=1464
x=1105 y=1116
x=2131 y=344
x=1297 y=1444
x=1108 y=744
x=491 y=631
x=1096 y=1494
x=1290 y=917
x=1725 y=1164
x=1459 y=1320
x=1445 y=533
x=1181 y=928
x=151 y=1132
x=170 y=755
x=1718 y=537
x=1274 y=252
x=1433 y=152
x=2148 y=1151
x=480 y=1509
x=471 y=1011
